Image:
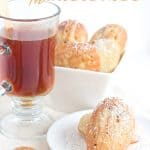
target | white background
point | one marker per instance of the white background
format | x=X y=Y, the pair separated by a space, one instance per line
x=132 y=81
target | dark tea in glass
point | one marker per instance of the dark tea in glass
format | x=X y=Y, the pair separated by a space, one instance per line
x=30 y=67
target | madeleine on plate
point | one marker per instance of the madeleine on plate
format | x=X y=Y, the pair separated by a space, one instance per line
x=111 y=126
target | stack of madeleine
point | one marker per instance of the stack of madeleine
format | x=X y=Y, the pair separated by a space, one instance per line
x=101 y=53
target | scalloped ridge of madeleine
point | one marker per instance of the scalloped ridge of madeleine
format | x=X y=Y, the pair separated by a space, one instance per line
x=72 y=31
x=109 y=53
x=111 y=126
x=77 y=55
x=83 y=123
x=112 y=31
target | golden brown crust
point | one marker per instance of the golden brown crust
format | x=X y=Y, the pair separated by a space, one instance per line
x=83 y=124
x=111 y=126
x=109 y=53
x=112 y=31
x=77 y=55
x=72 y=49
x=24 y=148
x=73 y=31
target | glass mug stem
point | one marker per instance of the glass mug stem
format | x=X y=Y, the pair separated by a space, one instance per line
x=27 y=108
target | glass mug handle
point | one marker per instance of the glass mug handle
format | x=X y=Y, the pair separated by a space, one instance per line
x=5 y=86
x=5 y=49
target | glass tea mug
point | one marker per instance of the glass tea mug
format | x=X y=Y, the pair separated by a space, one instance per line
x=27 y=43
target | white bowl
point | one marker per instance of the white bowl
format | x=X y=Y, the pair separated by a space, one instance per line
x=77 y=89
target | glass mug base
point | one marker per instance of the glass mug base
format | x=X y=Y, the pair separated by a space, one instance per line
x=27 y=120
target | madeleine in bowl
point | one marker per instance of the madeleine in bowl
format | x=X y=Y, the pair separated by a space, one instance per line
x=84 y=69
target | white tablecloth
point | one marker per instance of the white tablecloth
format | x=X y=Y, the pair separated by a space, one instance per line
x=131 y=83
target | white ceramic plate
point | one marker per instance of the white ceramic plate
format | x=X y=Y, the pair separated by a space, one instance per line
x=64 y=135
